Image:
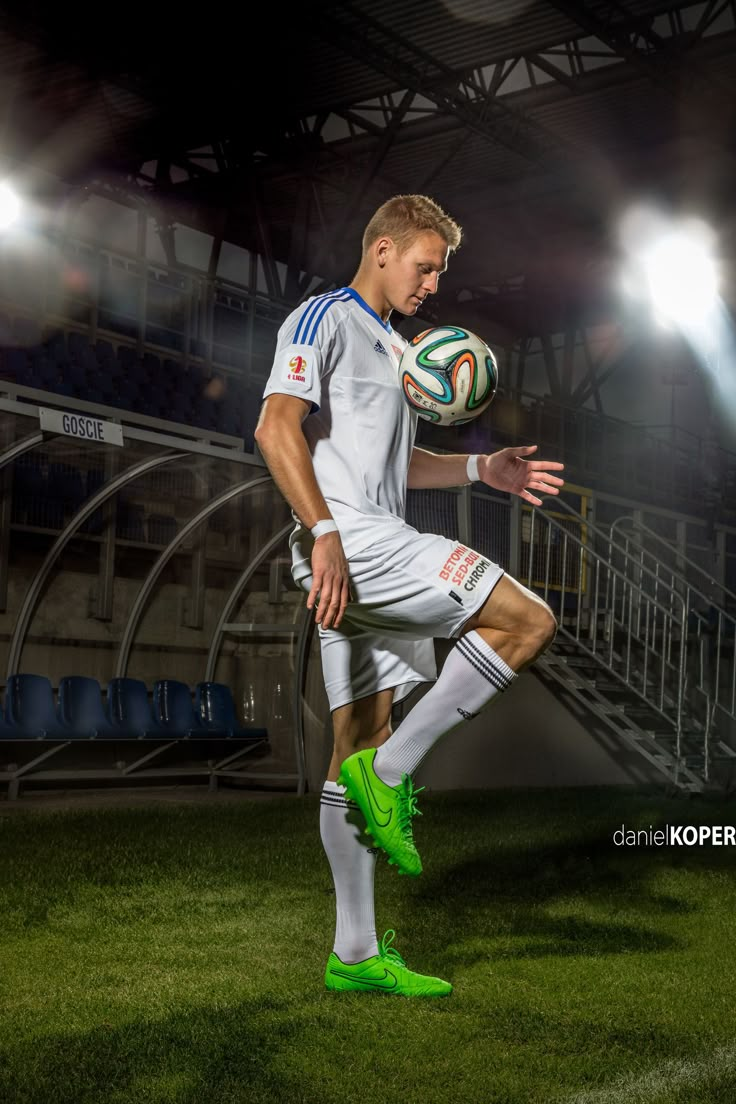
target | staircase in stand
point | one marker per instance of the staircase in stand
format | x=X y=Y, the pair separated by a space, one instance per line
x=636 y=648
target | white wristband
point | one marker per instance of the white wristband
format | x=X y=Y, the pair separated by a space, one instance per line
x=326 y=526
x=472 y=469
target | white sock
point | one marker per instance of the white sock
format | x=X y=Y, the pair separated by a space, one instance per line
x=352 y=860
x=472 y=675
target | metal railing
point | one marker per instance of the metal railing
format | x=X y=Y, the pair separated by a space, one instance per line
x=615 y=613
x=711 y=629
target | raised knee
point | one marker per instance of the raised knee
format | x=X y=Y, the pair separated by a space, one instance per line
x=545 y=626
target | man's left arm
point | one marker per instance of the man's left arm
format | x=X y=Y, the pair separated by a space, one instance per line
x=505 y=470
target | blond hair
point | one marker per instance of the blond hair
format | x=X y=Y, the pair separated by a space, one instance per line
x=403 y=217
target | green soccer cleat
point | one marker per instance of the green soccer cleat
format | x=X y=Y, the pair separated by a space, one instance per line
x=385 y=972
x=387 y=809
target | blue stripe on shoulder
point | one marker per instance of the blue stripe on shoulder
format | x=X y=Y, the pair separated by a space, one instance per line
x=306 y=331
x=308 y=311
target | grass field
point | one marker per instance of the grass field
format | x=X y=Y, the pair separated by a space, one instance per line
x=175 y=953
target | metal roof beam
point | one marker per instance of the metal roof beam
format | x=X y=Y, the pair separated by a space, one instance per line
x=660 y=58
x=369 y=175
x=466 y=95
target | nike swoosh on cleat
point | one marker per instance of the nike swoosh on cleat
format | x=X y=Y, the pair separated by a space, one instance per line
x=379 y=983
x=376 y=808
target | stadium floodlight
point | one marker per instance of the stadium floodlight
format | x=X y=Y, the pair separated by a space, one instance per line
x=671 y=265
x=9 y=206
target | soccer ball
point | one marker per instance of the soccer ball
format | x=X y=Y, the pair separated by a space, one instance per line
x=448 y=375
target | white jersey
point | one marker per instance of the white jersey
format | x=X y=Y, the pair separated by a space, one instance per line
x=335 y=352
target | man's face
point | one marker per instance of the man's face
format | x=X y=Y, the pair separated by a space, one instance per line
x=409 y=277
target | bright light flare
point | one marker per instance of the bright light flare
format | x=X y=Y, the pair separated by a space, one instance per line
x=9 y=207
x=671 y=265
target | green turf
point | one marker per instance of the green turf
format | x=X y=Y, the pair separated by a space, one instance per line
x=176 y=954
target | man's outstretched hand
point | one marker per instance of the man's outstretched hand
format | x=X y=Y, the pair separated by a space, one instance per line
x=508 y=470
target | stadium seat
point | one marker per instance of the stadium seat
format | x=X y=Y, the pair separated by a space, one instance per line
x=77 y=342
x=151 y=365
x=81 y=712
x=16 y=366
x=63 y=387
x=215 y=710
x=27 y=331
x=7 y=731
x=77 y=376
x=87 y=361
x=127 y=356
x=56 y=348
x=174 y=711
x=30 y=709
x=105 y=351
x=129 y=710
x=44 y=372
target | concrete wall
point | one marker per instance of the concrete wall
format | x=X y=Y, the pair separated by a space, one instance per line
x=527 y=737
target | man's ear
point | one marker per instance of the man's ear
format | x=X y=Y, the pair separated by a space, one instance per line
x=383 y=248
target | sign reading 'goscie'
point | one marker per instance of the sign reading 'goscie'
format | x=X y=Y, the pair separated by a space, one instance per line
x=83 y=426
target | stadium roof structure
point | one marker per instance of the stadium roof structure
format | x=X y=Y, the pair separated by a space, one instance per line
x=281 y=129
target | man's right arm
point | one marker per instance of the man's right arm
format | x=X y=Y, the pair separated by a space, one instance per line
x=284 y=448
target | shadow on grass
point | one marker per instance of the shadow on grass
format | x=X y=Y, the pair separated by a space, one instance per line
x=195 y=1056
x=326 y=1051
x=300 y=1051
x=516 y=877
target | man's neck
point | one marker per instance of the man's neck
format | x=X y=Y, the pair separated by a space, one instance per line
x=372 y=296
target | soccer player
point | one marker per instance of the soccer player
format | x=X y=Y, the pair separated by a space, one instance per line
x=338 y=439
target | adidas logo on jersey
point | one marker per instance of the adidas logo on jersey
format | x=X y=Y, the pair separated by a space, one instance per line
x=378 y=348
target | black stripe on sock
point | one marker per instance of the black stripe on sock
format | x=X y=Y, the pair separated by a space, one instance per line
x=499 y=667
x=481 y=663
x=474 y=663
x=487 y=661
x=340 y=802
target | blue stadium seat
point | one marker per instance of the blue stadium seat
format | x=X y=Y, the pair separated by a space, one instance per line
x=81 y=712
x=106 y=386
x=127 y=356
x=88 y=362
x=16 y=365
x=56 y=348
x=215 y=709
x=77 y=343
x=179 y=409
x=76 y=375
x=27 y=331
x=129 y=710
x=63 y=387
x=105 y=351
x=152 y=365
x=128 y=391
x=137 y=373
x=45 y=372
x=174 y=711
x=8 y=731
x=30 y=709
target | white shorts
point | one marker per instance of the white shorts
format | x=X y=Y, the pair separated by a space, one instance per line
x=410 y=587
